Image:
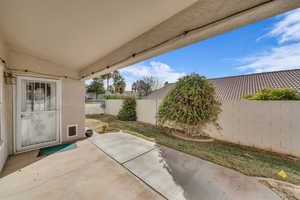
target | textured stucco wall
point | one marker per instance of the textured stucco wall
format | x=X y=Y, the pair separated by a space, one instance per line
x=93 y=108
x=113 y=106
x=73 y=91
x=4 y=132
x=20 y=60
x=146 y=110
x=3 y=127
x=271 y=125
x=72 y=107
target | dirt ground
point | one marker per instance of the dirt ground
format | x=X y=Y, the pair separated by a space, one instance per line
x=284 y=190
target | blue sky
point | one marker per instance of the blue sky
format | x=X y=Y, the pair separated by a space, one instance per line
x=269 y=45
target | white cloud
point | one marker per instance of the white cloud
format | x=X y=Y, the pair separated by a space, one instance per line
x=288 y=28
x=159 y=70
x=279 y=58
x=283 y=56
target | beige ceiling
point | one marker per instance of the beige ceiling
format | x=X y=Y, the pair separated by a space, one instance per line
x=76 y=33
x=200 y=21
x=97 y=36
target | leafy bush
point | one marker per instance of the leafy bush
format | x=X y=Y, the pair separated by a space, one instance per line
x=274 y=94
x=190 y=105
x=128 y=110
x=115 y=96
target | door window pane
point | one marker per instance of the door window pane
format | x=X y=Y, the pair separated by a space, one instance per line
x=38 y=96
x=30 y=99
x=24 y=100
x=52 y=96
x=42 y=96
x=27 y=96
x=48 y=95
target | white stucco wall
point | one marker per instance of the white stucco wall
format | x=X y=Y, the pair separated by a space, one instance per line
x=93 y=108
x=146 y=110
x=73 y=107
x=4 y=132
x=113 y=106
x=271 y=125
x=73 y=91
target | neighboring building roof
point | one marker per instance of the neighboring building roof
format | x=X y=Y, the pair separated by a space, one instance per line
x=160 y=93
x=233 y=88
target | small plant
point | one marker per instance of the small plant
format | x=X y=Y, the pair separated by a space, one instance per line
x=190 y=105
x=116 y=96
x=274 y=94
x=104 y=128
x=128 y=110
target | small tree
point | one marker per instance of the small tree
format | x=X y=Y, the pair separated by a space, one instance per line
x=190 y=105
x=128 y=110
x=118 y=82
x=142 y=88
x=107 y=77
x=153 y=82
x=134 y=87
x=146 y=85
x=96 y=86
x=111 y=89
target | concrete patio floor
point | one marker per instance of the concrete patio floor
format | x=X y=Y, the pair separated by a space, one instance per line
x=122 y=166
x=178 y=176
x=82 y=173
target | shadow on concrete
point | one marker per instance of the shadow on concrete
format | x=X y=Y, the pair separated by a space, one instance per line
x=200 y=179
x=17 y=162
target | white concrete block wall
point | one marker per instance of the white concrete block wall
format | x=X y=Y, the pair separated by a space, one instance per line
x=113 y=106
x=146 y=111
x=271 y=125
x=93 y=108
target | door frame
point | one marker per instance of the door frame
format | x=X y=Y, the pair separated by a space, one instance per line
x=16 y=109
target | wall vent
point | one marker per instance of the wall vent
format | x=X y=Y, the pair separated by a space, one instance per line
x=72 y=130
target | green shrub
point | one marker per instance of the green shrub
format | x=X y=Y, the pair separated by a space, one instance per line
x=104 y=127
x=115 y=96
x=190 y=105
x=274 y=94
x=128 y=110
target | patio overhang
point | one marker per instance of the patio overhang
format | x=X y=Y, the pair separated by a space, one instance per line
x=96 y=37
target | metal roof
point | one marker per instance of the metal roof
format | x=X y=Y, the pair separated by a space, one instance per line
x=233 y=88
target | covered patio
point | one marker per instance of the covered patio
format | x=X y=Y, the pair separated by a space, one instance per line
x=49 y=48
x=123 y=166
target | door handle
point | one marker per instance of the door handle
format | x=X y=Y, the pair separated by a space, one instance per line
x=25 y=116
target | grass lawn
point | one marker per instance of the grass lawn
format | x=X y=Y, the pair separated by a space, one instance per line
x=247 y=160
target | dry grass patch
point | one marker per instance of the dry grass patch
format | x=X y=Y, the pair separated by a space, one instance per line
x=93 y=123
x=285 y=191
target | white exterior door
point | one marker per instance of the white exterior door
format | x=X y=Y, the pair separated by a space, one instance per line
x=38 y=113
